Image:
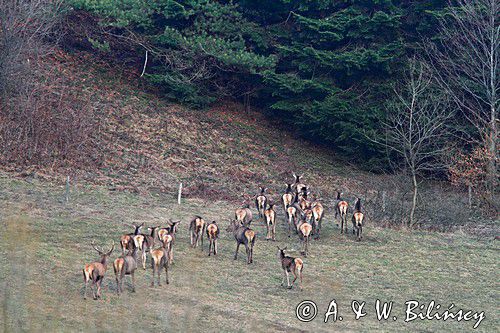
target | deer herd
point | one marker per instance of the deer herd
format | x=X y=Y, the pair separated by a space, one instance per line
x=303 y=214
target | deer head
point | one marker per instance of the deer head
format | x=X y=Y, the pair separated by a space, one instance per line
x=104 y=255
x=173 y=225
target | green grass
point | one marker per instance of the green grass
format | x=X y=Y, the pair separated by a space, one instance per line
x=45 y=244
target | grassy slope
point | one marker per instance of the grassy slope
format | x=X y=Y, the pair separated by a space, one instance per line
x=148 y=145
x=45 y=243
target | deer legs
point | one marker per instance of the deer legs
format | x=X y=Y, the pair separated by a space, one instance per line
x=287 y=276
x=236 y=253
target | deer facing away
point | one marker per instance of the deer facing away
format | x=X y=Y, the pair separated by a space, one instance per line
x=95 y=272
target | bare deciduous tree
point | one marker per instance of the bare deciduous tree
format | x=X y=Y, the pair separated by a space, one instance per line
x=416 y=128
x=24 y=27
x=466 y=63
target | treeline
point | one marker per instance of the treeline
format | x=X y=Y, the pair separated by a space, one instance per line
x=323 y=66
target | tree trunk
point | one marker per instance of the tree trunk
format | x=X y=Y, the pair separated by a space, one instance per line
x=414 y=199
x=492 y=149
x=246 y=102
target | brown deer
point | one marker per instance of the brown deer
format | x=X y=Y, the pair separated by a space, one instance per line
x=299 y=187
x=95 y=271
x=244 y=215
x=243 y=235
x=307 y=215
x=213 y=236
x=287 y=198
x=292 y=215
x=318 y=212
x=341 y=208
x=303 y=194
x=290 y=264
x=357 y=220
x=305 y=230
x=303 y=202
x=261 y=202
x=160 y=259
x=270 y=215
x=145 y=243
x=168 y=234
x=127 y=240
x=197 y=228
x=125 y=265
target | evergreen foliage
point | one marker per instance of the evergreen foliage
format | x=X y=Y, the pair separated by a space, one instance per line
x=323 y=66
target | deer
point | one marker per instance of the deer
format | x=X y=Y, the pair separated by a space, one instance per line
x=244 y=215
x=261 y=202
x=125 y=265
x=305 y=230
x=243 y=235
x=167 y=234
x=307 y=215
x=126 y=241
x=290 y=264
x=95 y=271
x=160 y=258
x=357 y=220
x=302 y=199
x=270 y=216
x=298 y=185
x=318 y=212
x=291 y=214
x=145 y=243
x=287 y=198
x=341 y=208
x=212 y=235
x=197 y=227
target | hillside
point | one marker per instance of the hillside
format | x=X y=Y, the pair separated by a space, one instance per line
x=144 y=144
x=134 y=140
x=143 y=147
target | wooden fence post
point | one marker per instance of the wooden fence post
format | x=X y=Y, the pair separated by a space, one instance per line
x=179 y=195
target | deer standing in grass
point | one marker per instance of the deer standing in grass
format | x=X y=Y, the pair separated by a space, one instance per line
x=318 y=212
x=127 y=240
x=357 y=220
x=270 y=215
x=168 y=235
x=95 y=272
x=244 y=215
x=145 y=243
x=160 y=259
x=261 y=202
x=197 y=229
x=341 y=208
x=299 y=187
x=287 y=198
x=243 y=235
x=290 y=264
x=213 y=236
x=125 y=265
x=292 y=215
x=305 y=230
x=303 y=202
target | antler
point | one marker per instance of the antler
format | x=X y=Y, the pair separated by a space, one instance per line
x=112 y=247
x=95 y=247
